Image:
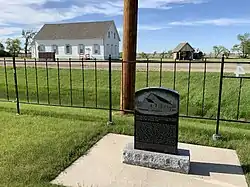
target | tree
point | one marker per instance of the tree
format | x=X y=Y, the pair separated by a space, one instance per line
x=1 y=47
x=244 y=46
x=210 y=55
x=154 y=54
x=227 y=52
x=3 y=53
x=28 y=35
x=13 y=45
x=218 y=50
x=169 y=54
x=144 y=55
x=163 y=54
x=237 y=49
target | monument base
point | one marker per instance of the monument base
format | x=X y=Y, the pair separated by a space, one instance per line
x=176 y=163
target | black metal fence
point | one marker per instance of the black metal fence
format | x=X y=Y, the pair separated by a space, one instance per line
x=205 y=94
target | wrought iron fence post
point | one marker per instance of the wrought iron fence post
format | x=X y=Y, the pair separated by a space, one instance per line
x=175 y=64
x=6 y=80
x=217 y=135
x=16 y=86
x=110 y=122
x=161 y=73
x=147 y=77
x=96 y=93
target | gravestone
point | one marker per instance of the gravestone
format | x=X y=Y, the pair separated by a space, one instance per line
x=156 y=120
x=156 y=132
x=239 y=70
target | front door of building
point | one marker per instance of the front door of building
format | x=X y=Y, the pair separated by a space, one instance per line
x=87 y=52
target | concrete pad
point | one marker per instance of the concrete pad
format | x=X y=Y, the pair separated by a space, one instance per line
x=103 y=167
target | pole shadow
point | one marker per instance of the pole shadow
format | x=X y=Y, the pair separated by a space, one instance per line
x=204 y=169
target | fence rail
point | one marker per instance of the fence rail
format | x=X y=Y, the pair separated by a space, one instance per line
x=203 y=85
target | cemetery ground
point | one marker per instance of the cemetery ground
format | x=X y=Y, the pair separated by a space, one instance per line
x=41 y=142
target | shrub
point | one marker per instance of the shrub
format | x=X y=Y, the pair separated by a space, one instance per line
x=5 y=54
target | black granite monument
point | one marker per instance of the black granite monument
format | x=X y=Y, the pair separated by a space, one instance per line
x=156 y=132
x=156 y=120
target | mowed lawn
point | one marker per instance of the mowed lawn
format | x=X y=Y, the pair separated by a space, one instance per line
x=37 y=145
x=90 y=89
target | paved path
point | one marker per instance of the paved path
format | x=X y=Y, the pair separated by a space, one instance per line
x=103 y=167
x=195 y=67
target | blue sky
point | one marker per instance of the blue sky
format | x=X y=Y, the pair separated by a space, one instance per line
x=162 y=23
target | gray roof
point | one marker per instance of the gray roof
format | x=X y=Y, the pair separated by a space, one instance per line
x=72 y=31
x=185 y=46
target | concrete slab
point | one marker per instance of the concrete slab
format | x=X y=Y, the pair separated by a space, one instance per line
x=103 y=167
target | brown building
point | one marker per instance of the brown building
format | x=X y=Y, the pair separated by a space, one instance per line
x=184 y=51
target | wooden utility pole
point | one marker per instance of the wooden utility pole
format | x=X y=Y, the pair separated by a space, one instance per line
x=129 y=55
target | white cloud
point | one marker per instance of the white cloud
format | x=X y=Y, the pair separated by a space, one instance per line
x=165 y=4
x=108 y=8
x=216 y=22
x=158 y=4
x=31 y=14
x=23 y=11
x=152 y=27
x=26 y=15
x=146 y=28
x=9 y=30
x=14 y=32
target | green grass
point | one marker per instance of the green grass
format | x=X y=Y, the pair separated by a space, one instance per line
x=92 y=97
x=37 y=145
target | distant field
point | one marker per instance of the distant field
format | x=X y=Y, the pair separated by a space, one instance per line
x=208 y=59
x=85 y=93
x=230 y=59
x=213 y=65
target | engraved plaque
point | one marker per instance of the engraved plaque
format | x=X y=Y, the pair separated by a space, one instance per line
x=156 y=120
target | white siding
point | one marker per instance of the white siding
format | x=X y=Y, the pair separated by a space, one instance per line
x=88 y=44
x=112 y=43
x=105 y=46
x=34 y=49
